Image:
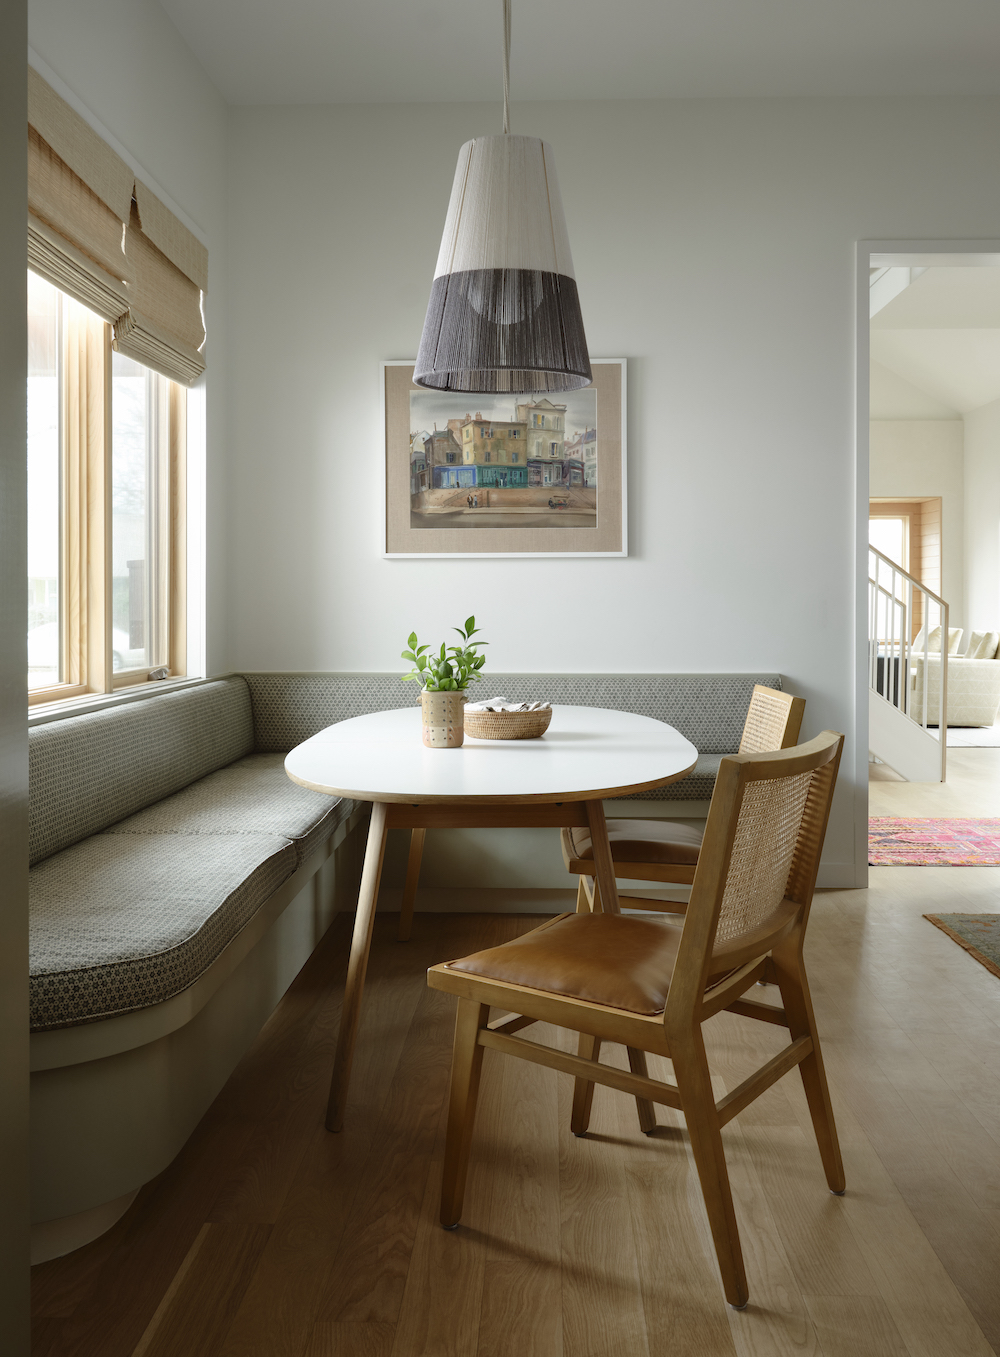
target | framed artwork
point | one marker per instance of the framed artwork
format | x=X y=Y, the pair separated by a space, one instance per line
x=505 y=475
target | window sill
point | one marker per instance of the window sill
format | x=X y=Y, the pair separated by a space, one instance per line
x=89 y=702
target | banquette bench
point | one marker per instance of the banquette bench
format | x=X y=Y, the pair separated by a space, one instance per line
x=179 y=880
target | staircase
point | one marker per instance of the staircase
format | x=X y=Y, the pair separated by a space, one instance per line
x=901 y=609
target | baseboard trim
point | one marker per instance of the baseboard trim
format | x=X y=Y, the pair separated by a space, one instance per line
x=838 y=876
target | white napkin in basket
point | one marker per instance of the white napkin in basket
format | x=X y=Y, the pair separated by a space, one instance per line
x=501 y=704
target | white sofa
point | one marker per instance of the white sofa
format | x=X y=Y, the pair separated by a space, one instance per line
x=973 y=689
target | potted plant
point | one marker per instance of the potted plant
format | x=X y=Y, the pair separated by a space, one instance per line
x=445 y=675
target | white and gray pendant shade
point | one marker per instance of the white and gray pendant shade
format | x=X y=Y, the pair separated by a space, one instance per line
x=504 y=314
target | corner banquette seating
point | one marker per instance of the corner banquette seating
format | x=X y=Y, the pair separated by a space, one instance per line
x=179 y=881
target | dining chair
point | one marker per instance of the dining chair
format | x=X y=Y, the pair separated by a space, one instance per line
x=666 y=851
x=650 y=984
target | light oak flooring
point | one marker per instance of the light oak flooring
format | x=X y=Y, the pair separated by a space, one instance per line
x=268 y=1237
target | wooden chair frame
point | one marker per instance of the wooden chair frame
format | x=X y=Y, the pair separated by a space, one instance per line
x=674 y=874
x=774 y=950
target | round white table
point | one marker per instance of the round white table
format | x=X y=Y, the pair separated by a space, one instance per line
x=586 y=755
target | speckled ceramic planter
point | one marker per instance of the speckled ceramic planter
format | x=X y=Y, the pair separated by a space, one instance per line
x=444 y=719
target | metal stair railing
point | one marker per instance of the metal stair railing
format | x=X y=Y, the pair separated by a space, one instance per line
x=896 y=602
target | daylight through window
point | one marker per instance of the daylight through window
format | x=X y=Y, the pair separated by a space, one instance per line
x=106 y=541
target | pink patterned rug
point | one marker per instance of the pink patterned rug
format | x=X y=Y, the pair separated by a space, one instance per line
x=895 y=842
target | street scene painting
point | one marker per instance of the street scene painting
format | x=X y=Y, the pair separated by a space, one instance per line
x=505 y=461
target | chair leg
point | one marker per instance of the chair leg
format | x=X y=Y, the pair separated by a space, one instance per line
x=790 y=976
x=410 y=888
x=466 y=1067
x=588 y=1048
x=698 y=1105
x=646 y=1110
x=584 y=896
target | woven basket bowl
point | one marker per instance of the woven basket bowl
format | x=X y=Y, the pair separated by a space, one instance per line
x=507 y=725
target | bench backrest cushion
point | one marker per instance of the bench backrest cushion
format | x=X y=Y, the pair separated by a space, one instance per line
x=709 y=709
x=88 y=772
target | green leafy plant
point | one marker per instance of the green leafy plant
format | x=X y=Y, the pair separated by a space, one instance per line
x=450 y=669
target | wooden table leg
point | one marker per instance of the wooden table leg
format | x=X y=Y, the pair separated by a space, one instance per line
x=607 y=891
x=410 y=889
x=360 y=946
x=604 y=866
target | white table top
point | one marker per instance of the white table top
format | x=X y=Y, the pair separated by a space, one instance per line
x=586 y=754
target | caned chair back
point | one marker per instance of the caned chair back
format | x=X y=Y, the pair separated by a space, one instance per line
x=773 y=720
x=757 y=868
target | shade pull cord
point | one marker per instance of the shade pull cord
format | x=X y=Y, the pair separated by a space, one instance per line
x=506 y=66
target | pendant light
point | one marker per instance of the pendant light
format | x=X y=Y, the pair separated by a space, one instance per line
x=504 y=314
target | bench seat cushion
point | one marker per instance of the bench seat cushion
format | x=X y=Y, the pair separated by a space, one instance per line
x=697 y=786
x=119 y=921
x=254 y=795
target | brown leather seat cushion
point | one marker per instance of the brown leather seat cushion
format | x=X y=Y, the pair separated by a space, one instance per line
x=664 y=841
x=603 y=958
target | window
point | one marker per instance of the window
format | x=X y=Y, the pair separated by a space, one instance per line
x=515 y=433
x=106 y=498
x=889 y=535
x=513 y=457
x=487 y=456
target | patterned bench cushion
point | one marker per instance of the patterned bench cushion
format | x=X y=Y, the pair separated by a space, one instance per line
x=122 y=921
x=709 y=709
x=88 y=772
x=254 y=795
x=697 y=786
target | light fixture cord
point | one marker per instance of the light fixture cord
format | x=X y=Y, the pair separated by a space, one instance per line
x=506 y=66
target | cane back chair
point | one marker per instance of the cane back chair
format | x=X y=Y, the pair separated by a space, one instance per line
x=650 y=984
x=666 y=851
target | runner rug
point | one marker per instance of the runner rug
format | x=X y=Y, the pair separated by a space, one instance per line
x=895 y=842
x=979 y=934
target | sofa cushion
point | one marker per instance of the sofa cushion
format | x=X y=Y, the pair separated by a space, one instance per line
x=254 y=795
x=708 y=709
x=983 y=645
x=120 y=921
x=955 y=635
x=87 y=772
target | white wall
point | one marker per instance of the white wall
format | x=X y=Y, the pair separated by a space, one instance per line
x=714 y=247
x=14 y=1299
x=982 y=517
x=127 y=65
x=926 y=457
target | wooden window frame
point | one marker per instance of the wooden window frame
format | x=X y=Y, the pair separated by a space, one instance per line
x=86 y=521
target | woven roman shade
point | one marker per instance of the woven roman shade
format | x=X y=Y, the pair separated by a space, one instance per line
x=104 y=238
x=163 y=327
x=79 y=194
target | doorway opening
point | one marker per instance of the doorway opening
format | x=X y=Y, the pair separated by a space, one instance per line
x=933 y=433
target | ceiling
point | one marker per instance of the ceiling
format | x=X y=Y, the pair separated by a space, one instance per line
x=936 y=346
x=401 y=51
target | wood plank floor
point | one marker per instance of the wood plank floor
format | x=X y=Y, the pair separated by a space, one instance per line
x=270 y=1238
